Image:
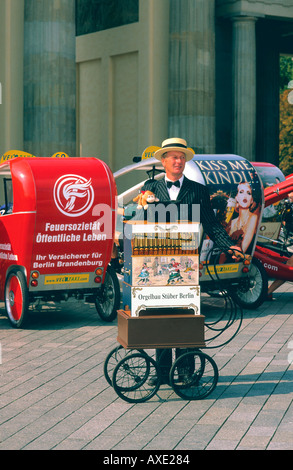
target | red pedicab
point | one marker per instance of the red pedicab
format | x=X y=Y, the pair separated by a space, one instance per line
x=57 y=228
x=274 y=253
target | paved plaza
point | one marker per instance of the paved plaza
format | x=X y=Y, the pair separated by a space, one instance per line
x=53 y=393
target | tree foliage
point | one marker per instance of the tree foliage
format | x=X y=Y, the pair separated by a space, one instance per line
x=286 y=116
x=286 y=134
x=286 y=72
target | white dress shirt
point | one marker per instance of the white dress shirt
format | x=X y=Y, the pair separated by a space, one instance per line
x=174 y=190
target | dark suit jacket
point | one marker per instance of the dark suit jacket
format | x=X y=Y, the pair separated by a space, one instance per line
x=192 y=193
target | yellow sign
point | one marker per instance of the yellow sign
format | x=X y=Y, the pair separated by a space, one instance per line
x=60 y=155
x=14 y=154
x=66 y=279
x=223 y=268
x=149 y=152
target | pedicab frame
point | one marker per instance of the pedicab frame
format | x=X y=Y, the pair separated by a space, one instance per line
x=53 y=244
x=272 y=252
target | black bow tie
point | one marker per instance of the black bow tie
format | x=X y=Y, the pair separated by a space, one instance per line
x=173 y=183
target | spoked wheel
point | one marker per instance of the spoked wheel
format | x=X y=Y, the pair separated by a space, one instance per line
x=194 y=375
x=108 y=302
x=252 y=290
x=16 y=298
x=136 y=378
x=111 y=361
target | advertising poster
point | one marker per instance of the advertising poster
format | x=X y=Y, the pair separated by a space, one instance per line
x=237 y=199
x=69 y=238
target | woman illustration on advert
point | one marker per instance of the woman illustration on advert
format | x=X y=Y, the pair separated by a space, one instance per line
x=243 y=228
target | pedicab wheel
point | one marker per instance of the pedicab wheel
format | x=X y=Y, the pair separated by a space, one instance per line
x=136 y=378
x=194 y=375
x=16 y=298
x=112 y=359
x=252 y=290
x=108 y=302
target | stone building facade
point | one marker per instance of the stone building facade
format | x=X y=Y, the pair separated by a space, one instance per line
x=135 y=72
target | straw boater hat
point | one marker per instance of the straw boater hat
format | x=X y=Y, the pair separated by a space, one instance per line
x=174 y=144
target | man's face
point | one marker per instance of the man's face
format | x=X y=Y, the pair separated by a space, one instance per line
x=174 y=164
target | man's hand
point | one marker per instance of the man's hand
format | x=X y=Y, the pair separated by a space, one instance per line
x=236 y=252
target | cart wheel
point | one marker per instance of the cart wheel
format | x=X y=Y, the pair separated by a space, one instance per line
x=16 y=298
x=132 y=378
x=111 y=361
x=108 y=302
x=194 y=375
x=252 y=291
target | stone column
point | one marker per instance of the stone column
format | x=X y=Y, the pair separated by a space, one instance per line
x=49 y=77
x=268 y=97
x=11 y=75
x=244 y=87
x=192 y=73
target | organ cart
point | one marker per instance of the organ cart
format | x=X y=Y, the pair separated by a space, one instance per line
x=161 y=310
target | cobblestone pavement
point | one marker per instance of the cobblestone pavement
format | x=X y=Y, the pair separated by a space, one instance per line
x=53 y=393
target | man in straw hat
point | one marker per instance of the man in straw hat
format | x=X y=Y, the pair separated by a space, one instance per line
x=176 y=187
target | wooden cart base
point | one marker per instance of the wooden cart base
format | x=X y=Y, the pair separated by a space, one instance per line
x=160 y=331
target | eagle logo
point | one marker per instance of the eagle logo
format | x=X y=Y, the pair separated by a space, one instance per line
x=73 y=195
